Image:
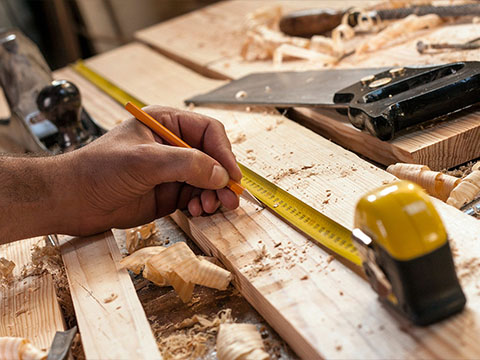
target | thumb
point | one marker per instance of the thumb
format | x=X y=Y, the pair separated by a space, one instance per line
x=192 y=166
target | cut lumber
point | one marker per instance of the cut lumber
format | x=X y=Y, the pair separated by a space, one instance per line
x=29 y=308
x=441 y=146
x=319 y=306
x=111 y=319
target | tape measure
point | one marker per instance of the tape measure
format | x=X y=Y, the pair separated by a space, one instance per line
x=319 y=227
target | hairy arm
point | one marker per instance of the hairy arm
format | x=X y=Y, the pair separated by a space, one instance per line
x=29 y=196
x=126 y=178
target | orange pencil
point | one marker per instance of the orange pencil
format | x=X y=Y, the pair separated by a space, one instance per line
x=173 y=139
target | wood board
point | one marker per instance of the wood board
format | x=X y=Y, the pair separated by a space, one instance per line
x=29 y=308
x=110 y=318
x=444 y=145
x=319 y=306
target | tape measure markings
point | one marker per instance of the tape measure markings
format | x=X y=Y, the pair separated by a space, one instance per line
x=305 y=218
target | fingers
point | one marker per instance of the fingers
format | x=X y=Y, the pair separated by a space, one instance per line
x=201 y=132
x=161 y=163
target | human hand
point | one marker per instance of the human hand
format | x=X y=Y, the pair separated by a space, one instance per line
x=130 y=176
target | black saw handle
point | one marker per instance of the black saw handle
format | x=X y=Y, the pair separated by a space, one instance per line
x=399 y=98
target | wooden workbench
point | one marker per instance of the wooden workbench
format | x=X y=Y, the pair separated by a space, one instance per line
x=317 y=304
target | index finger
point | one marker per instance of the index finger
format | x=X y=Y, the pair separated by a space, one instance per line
x=201 y=132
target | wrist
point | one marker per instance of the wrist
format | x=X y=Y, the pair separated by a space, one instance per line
x=30 y=196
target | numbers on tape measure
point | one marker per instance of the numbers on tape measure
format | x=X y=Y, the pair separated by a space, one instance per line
x=310 y=221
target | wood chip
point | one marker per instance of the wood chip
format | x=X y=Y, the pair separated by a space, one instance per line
x=240 y=341
x=13 y=348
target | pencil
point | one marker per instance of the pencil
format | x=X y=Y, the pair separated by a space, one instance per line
x=173 y=139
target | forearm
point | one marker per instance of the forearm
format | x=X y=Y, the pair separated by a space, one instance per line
x=29 y=196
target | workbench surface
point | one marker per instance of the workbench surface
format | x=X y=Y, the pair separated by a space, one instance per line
x=320 y=307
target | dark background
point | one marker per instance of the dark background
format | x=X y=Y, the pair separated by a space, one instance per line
x=66 y=30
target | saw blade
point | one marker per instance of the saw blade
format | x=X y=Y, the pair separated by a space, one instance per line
x=286 y=89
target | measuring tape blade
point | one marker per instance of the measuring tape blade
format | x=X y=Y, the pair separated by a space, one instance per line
x=305 y=218
x=106 y=86
x=319 y=227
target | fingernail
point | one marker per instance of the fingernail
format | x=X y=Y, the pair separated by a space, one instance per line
x=219 y=177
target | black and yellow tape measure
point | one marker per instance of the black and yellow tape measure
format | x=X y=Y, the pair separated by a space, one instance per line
x=319 y=227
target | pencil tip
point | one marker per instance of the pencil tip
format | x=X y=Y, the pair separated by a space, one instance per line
x=249 y=197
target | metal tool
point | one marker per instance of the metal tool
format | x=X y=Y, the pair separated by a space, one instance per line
x=46 y=115
x=405 y=253
x=61 y=344
x=340 y=240
x=311 y=22
x=472 y=208
x=384 y=102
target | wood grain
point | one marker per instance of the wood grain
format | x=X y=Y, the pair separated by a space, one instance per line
x=442 y=146
x=29 y=308
x=111 y=319
x=320 y=307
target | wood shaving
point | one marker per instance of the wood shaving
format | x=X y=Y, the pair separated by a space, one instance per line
x=397 y=30
x=191 y=336
x=110 y=298
x=435 y=183
x=6 y=270
x=238 y=138
x=47 y=259
x=140 y=237
x=295 y=52
x=467 y=190
x=15 y=348
x=137 y=260
x=179 y=267
x=241 y=94
x=240 y=341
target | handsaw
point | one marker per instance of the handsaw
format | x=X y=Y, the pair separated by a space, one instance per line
x=381 y=100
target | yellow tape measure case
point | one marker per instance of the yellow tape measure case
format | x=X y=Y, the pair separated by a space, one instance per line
x=406 y=254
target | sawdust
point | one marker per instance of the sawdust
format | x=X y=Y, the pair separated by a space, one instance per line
x=303 y=172
x=463 y=170
x=6 y=271
x=190 y=338
x=47 y=259
x=110 y=298
x=468 y=269
x=238 y=138
x=140 y=237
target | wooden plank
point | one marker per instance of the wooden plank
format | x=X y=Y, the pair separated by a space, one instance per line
x=192 y=39
x=111 y=319
x=29 y=308
x=444 y=145
x=320 y=307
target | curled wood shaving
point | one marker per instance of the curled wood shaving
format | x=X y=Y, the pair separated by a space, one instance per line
x=397 y=31
x=435 y=183
x=240 y=341
x=466 y=191
x=177 y=266
x=140 y=237
x=13 y=348
x=137 y=260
